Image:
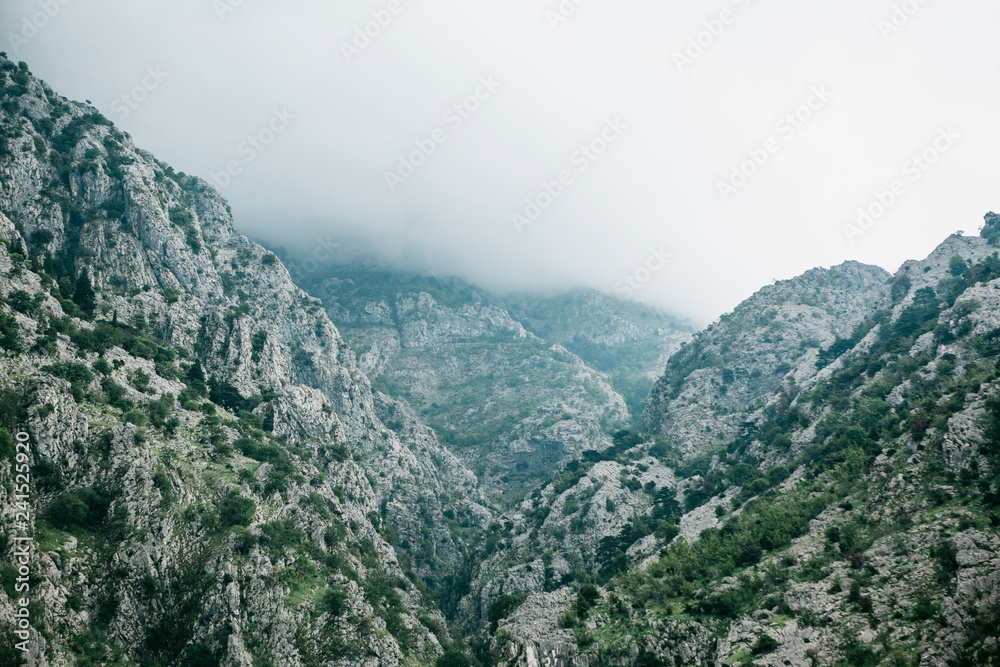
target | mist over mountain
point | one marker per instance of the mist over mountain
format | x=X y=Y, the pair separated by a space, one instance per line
x=722 y=152
x=392 y=432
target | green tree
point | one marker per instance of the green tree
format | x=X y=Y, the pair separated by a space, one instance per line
x=68 y=510
x=83 y=295
x=924 y=308
x=10 y=333
x=501 y=609
x=334 y=601
x=586 y=599
x=765 y=644
x=452 y=658
x=237 y=510
x=946 y=554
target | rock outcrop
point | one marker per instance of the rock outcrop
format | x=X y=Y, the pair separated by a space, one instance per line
x=203 y=438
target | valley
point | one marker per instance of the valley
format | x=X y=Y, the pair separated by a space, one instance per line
x=234 y=464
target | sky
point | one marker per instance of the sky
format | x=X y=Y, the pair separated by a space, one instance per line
x=680 y=154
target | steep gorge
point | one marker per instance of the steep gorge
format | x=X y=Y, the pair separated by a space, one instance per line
x=215 y=481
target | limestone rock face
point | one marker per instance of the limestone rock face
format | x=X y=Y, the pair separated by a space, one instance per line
x=212 y=472
x=214 y=480
x=869 y=404
x=734 y=366
x=514 y=397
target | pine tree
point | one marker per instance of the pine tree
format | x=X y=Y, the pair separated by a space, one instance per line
x=196 y=379
x=83 y=295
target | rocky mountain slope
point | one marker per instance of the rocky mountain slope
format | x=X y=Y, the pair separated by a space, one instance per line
x=514 y=396
x=843 y=510
x=780 y=332
x=213 y=482
x=628 y=341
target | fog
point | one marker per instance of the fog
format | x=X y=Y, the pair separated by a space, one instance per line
x=680 y=154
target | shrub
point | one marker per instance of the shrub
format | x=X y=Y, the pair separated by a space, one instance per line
x=586 y=598
x=914 y=317
x=237 y=510
x=68 y=510
x=180 y=217
x=136 y=417
x=162 y=482
x=7 y=445
x=199 y=655
x=765 y=644
x=77 y=374
x=48 y=476
x=860 y=655
x=777 y=475
x=160 y=409
x=258 y=451
x=140 y=380
x=81 y=508
x=277 y=481
x=452 y=658
x=946 y=555
x=22 y=302
x=243 y=541
x=280 y=534
x=334 y=601
x=10 y=333
x=925 y=609
x=117 y=395
x=647 y=659
x=501 y=608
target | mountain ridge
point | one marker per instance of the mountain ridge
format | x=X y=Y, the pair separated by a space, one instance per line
x=216 y=482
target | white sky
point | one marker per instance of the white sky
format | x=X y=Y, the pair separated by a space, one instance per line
x=657 y=184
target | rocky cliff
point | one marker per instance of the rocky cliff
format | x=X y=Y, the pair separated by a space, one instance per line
x=213 y=477
x=778 y=335
x=834 y=498
x=214 y=481
x=515 y=386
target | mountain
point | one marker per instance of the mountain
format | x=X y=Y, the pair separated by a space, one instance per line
x=628 y=341
x=216 y=477
x=834 y=500
x=516 y=386
x=778 y=333
x=212 y=477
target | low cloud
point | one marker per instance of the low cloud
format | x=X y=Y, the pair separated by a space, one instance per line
x=372 y=84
